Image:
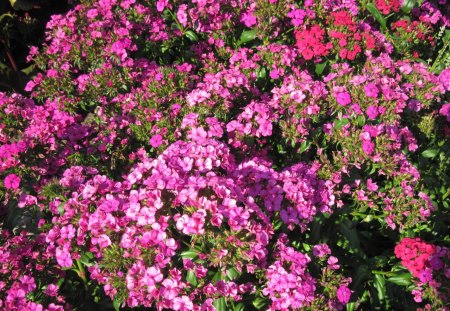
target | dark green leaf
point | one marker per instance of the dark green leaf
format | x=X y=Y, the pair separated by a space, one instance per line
x=379 y=284
x=377 y=15
x=238 y=307
x=430 y=153
x=340 y=123
x=350 y=234
x=350 y=306
x=320 y=67
x=21 y=5
x=86 y=257
x=247 y=36
x=261 y=73
x=191 y=254
x=304 y=146
x=217 y=276
x=191 y=35
x=191 y=278
x=116 y=305
x=61 y=209
x=408 y=5
x=232 y=274
x=220 y=304
x=402 y=279
x=260 y=302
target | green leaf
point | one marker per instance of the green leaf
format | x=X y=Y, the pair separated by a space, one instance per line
x=191 y=278
x=191 y=254
x=261 y=73
x=220 y=304
x=116 y=305
x=350 y=306
x=232 y=273
x=408 y=5
x=341 y=123
x=430 y=153
x=191 y=35
x=6 y=15
x=238 y=307
x=217 y=276
x=247 y=36
x=379 y=284
x=402 y=279
x=321 y=67
x=377 y=15
x=260 y=302
x=350 y=234
x=22 y=5
x=61 y=209
x=28 y=69
x=304 y=146
x=86 y=258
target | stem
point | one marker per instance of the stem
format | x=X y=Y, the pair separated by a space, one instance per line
x=11 y=59
x=441 y=53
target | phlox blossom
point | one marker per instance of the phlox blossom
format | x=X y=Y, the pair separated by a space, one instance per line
x=12 y=181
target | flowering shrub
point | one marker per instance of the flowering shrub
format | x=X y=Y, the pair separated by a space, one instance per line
x=223 y=155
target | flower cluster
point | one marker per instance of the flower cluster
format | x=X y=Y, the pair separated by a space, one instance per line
x=428 y=263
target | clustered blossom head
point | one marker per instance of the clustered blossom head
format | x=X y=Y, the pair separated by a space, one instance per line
x=426 y=262
x=25 y=270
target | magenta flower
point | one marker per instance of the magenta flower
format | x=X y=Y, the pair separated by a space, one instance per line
x=63 y=258
x=368 y=147
x=371 y=90
x=343 y=294
x=181 y=15
x=372 y=112
x=12 y=181
x=321 y=250
x=156 y=141
x=343 y=98
x=444 y=78
x=445 y=111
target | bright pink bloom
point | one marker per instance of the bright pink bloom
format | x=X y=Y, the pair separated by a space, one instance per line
x=343 y=98
x=12 y=181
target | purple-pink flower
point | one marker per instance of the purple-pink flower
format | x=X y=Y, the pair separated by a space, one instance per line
x=156 y=141
x=343 y=98
x=343 y=294
x=371 y=90
x=12 y=181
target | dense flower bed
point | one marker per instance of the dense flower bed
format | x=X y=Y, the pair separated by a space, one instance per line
x=230 y=155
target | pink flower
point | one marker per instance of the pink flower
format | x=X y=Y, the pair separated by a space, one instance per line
x=248 y=19
x=183 y=303
x=332 y=263
x=444 y=78
x=417 y=295
x=181 y=15
x=371 y=90
x=372 y=112
x=274 y=74
x=321 y=250
x=52 y=290
x=343 y=98
x=445 y=111
x=371 y=186
x=368 y=147
x=12 y=181
x=28 y=283
x=63 y=258
x=156 y=141
x=343 y=294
